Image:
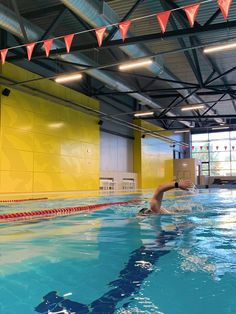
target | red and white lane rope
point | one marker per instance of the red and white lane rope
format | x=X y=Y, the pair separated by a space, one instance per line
x=46 y=213
x=24 y=200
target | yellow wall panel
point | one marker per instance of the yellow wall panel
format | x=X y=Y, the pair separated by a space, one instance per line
x=44 y=143
x=46 y=146
x=16 y=160
x=17 y=139
x=47 y=162
x=153 y=158
x=16 y=181
x=16 y=118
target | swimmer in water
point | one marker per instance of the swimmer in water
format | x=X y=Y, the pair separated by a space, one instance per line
x=155 y=204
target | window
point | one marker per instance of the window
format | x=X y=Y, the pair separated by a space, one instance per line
x=217 y=152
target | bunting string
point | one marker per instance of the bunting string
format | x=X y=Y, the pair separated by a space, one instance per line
x=123 y=27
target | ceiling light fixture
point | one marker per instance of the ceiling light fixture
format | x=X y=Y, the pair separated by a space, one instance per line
x=219 y=48
x=144 y=114
x=220 y=128
x=194 y=107
x=181 y=131
x=131 y=65
x=67 y=78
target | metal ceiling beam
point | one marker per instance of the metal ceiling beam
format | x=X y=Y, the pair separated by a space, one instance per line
x=196 y=61
x=190 y=118
x=146 y=91
x=213 y=105
x=3 y=39
x=125 y=17
x=41 y=12
x=143 y=38
x=15 y=7
x=213 y=17
x=184 y=46
x=156 y=78
x=173 y=105
x=221 y=75
x=40 y=63
x=182 y=18
x=54 y=23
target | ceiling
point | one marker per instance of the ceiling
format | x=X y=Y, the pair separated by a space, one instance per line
x=183 y=73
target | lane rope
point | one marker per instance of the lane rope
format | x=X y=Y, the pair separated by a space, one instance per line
x=50 y=213
x=24 y=200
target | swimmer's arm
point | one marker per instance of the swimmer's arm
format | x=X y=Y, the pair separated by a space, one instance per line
x=156 y=200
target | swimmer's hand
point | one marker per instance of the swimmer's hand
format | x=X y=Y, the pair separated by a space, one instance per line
x=185 y=184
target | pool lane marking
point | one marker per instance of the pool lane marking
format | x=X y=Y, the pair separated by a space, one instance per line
x=24 y=200
x=50 y=213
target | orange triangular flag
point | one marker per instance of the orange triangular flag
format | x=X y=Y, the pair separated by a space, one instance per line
x=100 y=34
x=30 y=48
x=3 y=55
x=224 y=6
x=47 y=45
x=68 y=41
x=163 y=19
x=191 y=12
x=124 y=27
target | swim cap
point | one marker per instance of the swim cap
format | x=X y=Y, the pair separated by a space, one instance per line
x=145 y=211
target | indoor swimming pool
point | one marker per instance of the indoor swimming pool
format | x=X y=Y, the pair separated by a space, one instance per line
x=109 y=261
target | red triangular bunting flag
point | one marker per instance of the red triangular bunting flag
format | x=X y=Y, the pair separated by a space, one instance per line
x=47 y=45
x=163 y=19
x=124 y=27
x=100 y=34
x=3 y=55
x=191 y=12
x=68 y=41
x=224 y=6
x=30 y=48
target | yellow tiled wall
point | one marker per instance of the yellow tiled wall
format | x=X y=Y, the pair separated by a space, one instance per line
x=153 y=159
x=46 y=146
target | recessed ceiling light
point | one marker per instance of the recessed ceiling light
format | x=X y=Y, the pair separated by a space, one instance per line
x=67 y=78
x=181 y=131
x=137 y=64
x=219 y=48
x=220 y=127
x=144 y=114
x=194 y=107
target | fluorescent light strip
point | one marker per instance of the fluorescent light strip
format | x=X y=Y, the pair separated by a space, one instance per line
x=135 y=64
x=187 y=108
x=68 y=78
x=144 y=114
x=220 y=128
x=181 y=131
x=219 y=48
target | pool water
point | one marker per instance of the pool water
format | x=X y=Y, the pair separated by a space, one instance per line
x=110 y=261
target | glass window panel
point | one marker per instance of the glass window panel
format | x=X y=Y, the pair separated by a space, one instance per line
x=221 y=173
x=233 y=134
x=220 y=145
x=220 y=156
x=205 y=166
x=220 y=165
x=233 y=172
x=201 y=156
x=233 y=164
x=205 y=173
x=200 y=147
x=218 y=135
x=233 y=155
x=199 y=137
x=233 y=145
